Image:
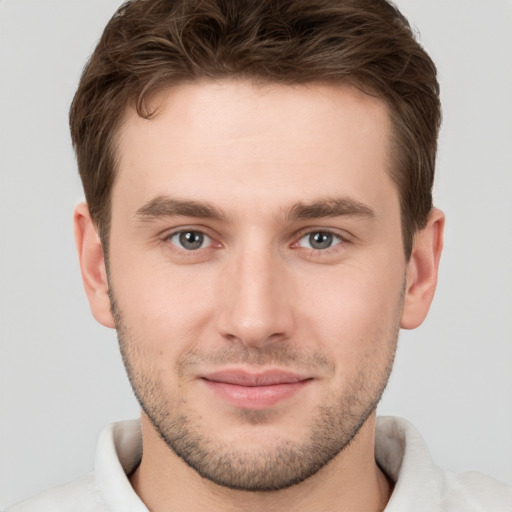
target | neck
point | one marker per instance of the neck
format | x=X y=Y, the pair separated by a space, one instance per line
x=352 y=481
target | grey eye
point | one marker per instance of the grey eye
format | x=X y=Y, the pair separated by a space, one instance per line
x=190 y=240
x=319 y=240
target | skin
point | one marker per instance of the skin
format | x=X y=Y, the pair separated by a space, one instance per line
x=257 y=171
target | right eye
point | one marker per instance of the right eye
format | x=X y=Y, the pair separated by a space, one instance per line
x=190 y=240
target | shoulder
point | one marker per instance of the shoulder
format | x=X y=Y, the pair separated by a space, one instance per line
x=79 y=495
x=422 y=486
x=475 y=491
x=105 y=489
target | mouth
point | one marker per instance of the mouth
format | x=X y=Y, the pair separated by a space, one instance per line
x=255 y=390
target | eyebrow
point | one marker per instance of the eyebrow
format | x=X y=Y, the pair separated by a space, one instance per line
x=164 y=206
x=331 y=207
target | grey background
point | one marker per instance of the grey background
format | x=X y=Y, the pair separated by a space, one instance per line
x=61 y=379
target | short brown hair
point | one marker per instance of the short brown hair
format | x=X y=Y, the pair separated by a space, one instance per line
x=151 y=44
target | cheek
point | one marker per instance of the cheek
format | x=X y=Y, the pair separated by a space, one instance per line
x=162 y=306
x=354 y=313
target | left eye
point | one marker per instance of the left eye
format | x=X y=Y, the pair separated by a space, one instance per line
x=190 y=240
x=319 y=240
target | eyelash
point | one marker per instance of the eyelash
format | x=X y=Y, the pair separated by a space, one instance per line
x=169 y=236
x=341 y=241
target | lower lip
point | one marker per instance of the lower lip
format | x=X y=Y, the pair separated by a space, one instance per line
x=255 y=397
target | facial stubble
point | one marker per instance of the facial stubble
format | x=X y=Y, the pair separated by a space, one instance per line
x=250 y=468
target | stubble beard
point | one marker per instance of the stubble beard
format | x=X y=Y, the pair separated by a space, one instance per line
x=250 y=468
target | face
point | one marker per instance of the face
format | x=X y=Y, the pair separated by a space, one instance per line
x=257 y=273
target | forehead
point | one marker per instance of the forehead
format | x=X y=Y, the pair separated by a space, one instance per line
x=229 y=140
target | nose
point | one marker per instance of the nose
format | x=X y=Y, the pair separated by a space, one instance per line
x=258 y=299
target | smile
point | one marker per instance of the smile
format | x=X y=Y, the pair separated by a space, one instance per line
x=255 y=390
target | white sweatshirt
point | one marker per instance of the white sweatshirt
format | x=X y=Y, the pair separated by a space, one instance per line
x=420 y=486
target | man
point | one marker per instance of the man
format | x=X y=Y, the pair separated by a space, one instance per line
x=258 y=227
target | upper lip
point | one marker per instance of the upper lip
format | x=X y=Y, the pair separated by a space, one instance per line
x=262 y=378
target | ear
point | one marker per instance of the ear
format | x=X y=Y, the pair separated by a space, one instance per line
x=422 y=270
x=92 y=265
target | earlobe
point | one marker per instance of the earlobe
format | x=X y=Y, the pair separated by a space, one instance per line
x=92 y=265
x=422 y=270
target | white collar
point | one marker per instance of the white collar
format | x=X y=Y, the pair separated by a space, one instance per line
x=399 y=450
